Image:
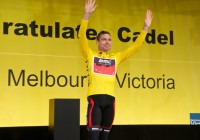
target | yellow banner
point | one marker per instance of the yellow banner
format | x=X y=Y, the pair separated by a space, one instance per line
x=41 y=59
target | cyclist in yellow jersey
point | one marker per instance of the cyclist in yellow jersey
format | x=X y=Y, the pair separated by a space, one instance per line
x=102 y=68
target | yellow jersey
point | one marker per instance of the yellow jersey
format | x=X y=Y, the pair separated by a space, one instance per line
x=102 y=66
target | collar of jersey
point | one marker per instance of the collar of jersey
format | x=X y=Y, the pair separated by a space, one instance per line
x=103 y=54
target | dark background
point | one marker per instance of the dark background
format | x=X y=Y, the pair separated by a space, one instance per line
x=119 y=132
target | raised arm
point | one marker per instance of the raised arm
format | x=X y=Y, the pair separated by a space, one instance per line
x=140 y=39
x=89 y=8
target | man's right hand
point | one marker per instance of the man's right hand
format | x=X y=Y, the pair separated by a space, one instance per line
x=90 y=7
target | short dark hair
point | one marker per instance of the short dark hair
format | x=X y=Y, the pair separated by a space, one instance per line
x=101 y=33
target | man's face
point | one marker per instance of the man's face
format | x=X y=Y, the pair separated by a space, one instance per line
x=104 y=43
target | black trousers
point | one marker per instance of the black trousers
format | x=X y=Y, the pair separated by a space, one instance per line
x=100 y=116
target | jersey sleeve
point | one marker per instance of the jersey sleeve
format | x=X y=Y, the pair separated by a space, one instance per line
x=83 y=39
x=127 y=53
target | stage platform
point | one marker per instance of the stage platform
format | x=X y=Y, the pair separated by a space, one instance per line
x=119 y=132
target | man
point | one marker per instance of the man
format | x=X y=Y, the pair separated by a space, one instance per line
x=102 y=67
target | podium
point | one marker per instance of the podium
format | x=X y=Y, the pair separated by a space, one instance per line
x=64 y=119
